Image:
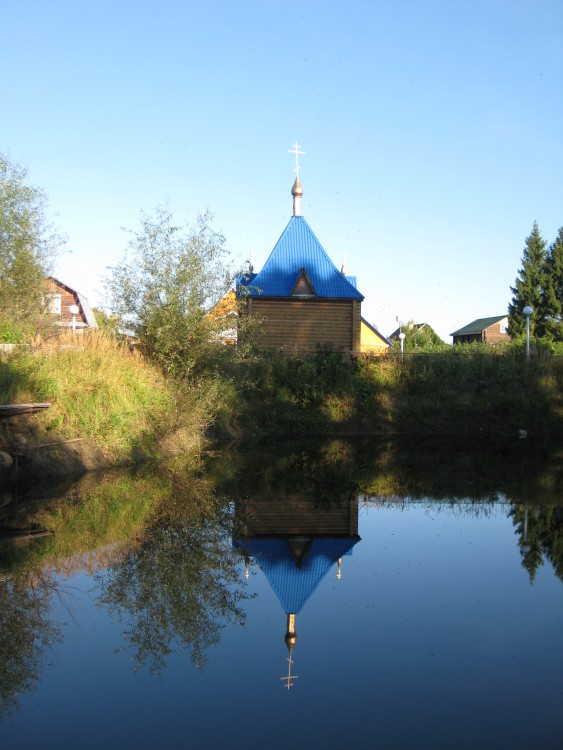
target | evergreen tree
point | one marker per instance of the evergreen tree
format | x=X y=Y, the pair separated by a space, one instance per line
x=529 y=287
x=553 y=294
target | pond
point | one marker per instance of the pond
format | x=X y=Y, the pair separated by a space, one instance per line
x=337 y=595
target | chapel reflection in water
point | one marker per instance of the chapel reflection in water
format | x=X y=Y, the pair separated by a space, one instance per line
x=296 y=541
x=165 y=563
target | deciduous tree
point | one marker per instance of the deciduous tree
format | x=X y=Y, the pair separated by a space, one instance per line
x=164 y=287
x=28 y=247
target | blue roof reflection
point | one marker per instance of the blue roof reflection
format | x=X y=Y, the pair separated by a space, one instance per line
x=293 y=583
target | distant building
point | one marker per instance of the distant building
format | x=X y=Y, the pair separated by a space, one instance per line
x=302 y=300
x=484 y=331
x=417 y=334
x=225 y=314
x=371 y=340
x=60 y=299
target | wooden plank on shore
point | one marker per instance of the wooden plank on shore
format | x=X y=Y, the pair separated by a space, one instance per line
x=24 y=535
x=11 y=410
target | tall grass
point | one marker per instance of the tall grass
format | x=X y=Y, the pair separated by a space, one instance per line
x=99 y=390
x=475 y=392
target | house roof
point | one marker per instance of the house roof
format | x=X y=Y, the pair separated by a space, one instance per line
x=298 y=252
x=478 y=326
x=294 y=583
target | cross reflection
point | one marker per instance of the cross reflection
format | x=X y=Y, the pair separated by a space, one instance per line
x=296 y=542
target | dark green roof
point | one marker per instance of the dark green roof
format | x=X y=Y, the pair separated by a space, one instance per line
x=478 y=326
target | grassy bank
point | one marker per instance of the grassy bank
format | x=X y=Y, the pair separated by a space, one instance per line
x=476 y=393
x=108 y=406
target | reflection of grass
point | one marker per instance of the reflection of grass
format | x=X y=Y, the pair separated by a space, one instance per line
x=396 y=467
x=111 y=512
x=173 y=578
x=114 y=510
x=107 y=513
x=478 y=470
x=88 y=529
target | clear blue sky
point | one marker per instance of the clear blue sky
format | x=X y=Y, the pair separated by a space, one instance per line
x=433 y=133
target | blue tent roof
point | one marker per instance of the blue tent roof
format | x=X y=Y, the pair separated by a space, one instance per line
x=298 y=250
x=294 y=585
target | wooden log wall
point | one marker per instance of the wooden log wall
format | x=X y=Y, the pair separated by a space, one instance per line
x=305 y=324
x=299 y=515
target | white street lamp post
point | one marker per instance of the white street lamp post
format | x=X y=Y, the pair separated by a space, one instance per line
x=402 y=340
x=527 y=312
x=74 y=310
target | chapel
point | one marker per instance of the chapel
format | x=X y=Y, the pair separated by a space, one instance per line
x=301 y=298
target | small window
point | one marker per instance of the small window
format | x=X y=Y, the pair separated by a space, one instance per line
x=54 y=304
x=504 y=328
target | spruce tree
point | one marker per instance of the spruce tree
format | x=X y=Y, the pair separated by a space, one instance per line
x=553 y=293
x=529 y=287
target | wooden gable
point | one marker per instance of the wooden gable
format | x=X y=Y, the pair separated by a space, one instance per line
x=303 y=286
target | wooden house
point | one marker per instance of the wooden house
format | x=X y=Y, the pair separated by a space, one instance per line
x=483 y=330
x=67 y=307
x=302 y=300
x=224 y=318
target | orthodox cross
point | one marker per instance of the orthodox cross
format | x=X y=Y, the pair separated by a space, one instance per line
x=295 y=150
x=288 y=680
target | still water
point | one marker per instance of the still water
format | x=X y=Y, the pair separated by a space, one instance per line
x=329 y=596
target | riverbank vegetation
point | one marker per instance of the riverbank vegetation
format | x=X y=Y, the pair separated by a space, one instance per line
x=465 y=391
x=109 y=406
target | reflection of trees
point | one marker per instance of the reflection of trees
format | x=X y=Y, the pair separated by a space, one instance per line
x=444 y=469
x=177 y=589
x=167 y=539
x=322 y=471
x=540 y=529
x=26 y=633
x=174 y=575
